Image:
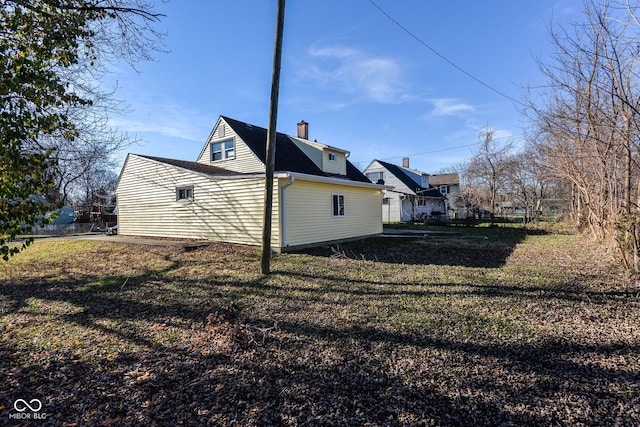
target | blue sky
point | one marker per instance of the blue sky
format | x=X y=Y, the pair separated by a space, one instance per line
x=360 y=80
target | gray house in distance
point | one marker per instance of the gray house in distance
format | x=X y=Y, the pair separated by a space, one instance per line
x=449 y=186
x=412 y=198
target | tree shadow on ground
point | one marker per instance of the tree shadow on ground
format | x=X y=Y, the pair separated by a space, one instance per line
x=296 y=374
x=242 y=367
x=474 y=251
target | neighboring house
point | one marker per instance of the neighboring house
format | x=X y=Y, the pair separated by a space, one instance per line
x=319 y=196
x=449 y=185
x=411 y=197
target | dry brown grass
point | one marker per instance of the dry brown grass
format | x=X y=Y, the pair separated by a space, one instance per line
x=506 y=330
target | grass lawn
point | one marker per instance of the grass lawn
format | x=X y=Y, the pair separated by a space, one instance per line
x=497 y=328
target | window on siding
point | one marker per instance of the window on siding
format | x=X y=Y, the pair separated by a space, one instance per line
x=376 y=177
x=385 y=201
x=332 y=157
x=223 y=150
x=338 y=205
x=444 y=189
x=184 y=193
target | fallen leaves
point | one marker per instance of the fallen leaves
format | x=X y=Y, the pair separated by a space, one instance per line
x=535 y=331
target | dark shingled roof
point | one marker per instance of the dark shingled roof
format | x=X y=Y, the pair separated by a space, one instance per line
x=193 y=166
x=289 y=158
x=409 y=182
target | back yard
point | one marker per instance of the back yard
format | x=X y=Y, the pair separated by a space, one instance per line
x=499 y=329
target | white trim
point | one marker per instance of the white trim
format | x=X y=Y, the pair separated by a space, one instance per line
x=330 y=180
x=321 y=146
x=223 y=149
x=182 y=188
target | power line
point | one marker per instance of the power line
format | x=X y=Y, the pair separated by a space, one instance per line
x=441 y=56
x=432 y=152
x=420 y=154
x=444 y=149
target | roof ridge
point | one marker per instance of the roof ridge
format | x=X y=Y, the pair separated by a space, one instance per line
x=289 y=157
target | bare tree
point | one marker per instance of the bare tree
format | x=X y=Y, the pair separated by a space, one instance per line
x=589 y=123
x=486 y=171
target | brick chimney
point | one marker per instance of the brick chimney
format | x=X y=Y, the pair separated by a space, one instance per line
x=405 y=162
x=303 y=129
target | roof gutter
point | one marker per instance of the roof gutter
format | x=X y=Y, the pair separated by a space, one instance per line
x=331 y=180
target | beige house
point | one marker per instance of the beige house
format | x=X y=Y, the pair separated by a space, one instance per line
x=319 y=196
x=410 y=197
x=449 y=186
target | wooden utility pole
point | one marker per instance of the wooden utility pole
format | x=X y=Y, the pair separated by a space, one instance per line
x=265 y=260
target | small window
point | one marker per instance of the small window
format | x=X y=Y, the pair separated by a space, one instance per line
x=385 y=201
x=332 y=157
x=223 y=150
x=338 y=205
x=184 y=193
x=444 y=189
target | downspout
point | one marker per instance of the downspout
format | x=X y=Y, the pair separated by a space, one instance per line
x=283 y=213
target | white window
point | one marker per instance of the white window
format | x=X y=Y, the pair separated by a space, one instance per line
x=332 y=157
x=444 y=189
x=184 y=193
x=223 y=150
x=376 y=177
x=337 y=205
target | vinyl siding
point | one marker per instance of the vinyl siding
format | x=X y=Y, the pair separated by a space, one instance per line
x=245 y=160
x=309 y=216
x=337 y=167
x=391 y=212
x=312 y=152
x=227 y=210
x=320 y=156
x=390 y=179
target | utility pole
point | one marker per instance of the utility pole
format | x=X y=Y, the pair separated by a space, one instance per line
x=265 y=260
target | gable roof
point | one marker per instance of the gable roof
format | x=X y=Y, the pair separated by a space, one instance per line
x=399 y=173
x=289 y=158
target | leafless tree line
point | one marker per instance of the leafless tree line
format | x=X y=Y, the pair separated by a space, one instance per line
x=584 y=143
x=588 y=123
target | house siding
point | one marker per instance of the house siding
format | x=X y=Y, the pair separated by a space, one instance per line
x=309 y=217
x=320 y=156
x=245 y=161
x=228 y=209
x=314 y=153
x=338 y=167
x=390 y=179
x=391 y=211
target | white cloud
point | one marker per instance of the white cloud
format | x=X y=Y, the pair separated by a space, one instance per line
x=164 y=119
x=450 y=107
x=356 y=73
